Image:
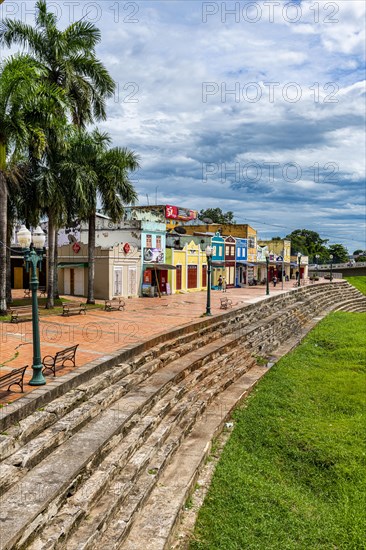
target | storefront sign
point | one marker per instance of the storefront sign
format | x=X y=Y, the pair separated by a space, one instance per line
x=126 y=248
x=152 y=255
x=76 y=247
x=176 y=213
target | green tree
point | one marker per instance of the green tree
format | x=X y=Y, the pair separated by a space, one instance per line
x=358 y=252
x=340 y=253
x=309 y=243
x=101 y=173
x=216 y=215
x=24 y=103
x=69 y=60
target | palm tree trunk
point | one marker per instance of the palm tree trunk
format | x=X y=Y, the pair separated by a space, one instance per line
x=91 y=258
x=56 y=294
x=3 y=227
x=51 y=262
x=9 y=297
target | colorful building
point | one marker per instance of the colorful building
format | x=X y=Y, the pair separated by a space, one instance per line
x=190 y=273
x=218 y=258
x=229 y=257
x=241 y=262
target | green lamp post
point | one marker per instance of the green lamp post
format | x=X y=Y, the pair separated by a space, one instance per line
x=331 y=267
x=33 y=254
x=209 y=250
x=267 y=269
x=299 y=263
x=317 y=264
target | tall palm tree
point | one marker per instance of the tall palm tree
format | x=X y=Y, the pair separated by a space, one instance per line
x=69 y=59
x=24 y=107
x=103 y=173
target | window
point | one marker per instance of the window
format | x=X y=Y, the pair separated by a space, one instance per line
x=232 y=250
x=239 y=252
x=158 y=241
x=251 y=242
x=220 y=250
x=148 y=241
x=227 y=250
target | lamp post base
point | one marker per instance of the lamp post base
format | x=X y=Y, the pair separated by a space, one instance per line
x=37 y=379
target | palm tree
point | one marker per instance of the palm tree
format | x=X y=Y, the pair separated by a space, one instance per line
x=103 y=173
x=22 y=94
x=69 y=59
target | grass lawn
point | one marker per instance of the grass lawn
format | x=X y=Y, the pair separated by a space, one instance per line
x=42 y=303
x=358 y=282
x=293 y=474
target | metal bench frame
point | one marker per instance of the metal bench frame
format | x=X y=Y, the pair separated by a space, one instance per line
x=225 y=303
x=15 y=377
x=20 y=312
x=69 y=308
x=50 y=362
x=115 y=304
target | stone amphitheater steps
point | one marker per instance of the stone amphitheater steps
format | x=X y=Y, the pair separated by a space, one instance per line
x=61 y=474
x=82 y=469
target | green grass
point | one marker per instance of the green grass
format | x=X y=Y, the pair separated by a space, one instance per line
x=292 y=475
x=42 y=303
x=358 y=282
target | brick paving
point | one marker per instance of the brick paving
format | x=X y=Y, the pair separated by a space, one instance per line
x=99 y=332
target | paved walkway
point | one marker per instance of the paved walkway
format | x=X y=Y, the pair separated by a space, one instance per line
x=99 y=332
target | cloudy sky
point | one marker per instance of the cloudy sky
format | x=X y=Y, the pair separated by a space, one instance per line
x=255 y=107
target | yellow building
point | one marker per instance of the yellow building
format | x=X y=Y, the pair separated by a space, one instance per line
x=242 y=231
x=191 y=272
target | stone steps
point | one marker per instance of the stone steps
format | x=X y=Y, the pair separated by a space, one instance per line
x=92 y=441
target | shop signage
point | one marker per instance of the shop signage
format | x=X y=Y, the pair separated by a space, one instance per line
x=176 y=213
x=279 y=259
x=154 y=255
x=126 y=248
x=76 y=247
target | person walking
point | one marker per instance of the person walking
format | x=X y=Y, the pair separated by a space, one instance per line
x=224 y=285
x=274 y=280
x=219 y=283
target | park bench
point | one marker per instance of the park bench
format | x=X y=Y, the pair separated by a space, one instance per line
x=20 y=313
x=41 y=290
x=16 y=376
x=225 y=303
x=50 y=362
x=115 y=304
x=70 y=308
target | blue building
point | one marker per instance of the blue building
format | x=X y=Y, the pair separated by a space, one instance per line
x=241 y=259
x=218 y=258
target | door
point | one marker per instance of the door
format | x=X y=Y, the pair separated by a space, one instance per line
x=204 y=275
x=132 y=281
x=72 y=282
x=79 y=281
x=163 y=279
x=178 y=278
x=192 y=276
x=117 y=281
x=231 y=276
x=18 y=277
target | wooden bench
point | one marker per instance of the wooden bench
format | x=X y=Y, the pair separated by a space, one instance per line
x=70 y=308
x=20 y=313
x=41 y=290
x=16 y=376
x=50 y=362
x=225 y=303
x=116 y=304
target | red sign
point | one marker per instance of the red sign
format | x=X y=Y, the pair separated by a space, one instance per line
x=176 y=213
x=126 y=248
x=76 y=247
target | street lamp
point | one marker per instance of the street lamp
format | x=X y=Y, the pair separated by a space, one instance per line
x=331 y=267
x=298 y=261
x=267 y=267
x=317 y=264
x=209 y=251
x=32 y=255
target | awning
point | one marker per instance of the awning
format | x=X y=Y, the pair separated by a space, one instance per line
x=71 y=265
x=159 y=266
x=218 y=264
x=244 y=262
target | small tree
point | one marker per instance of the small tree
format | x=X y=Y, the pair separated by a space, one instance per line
x=340 y=253
x=217 y=215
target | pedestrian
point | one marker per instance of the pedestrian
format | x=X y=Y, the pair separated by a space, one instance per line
x=274 y=280
x=219 y=283
x=224 y=284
